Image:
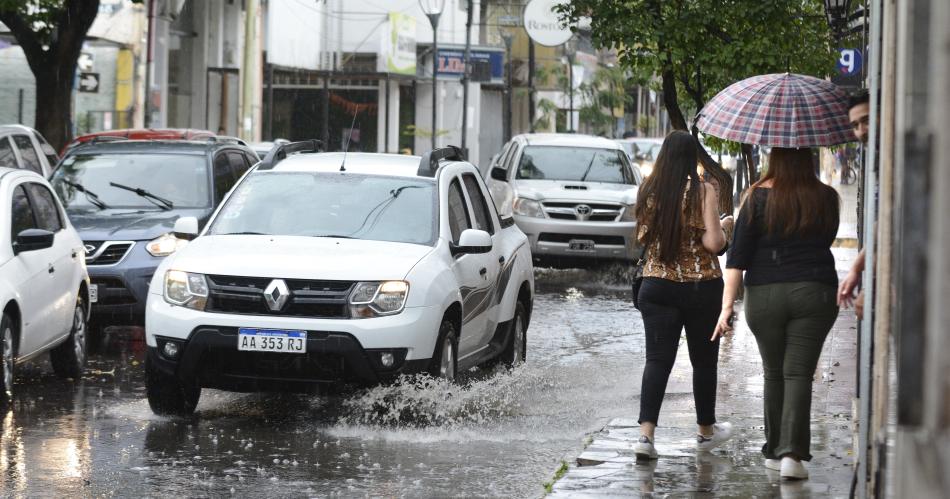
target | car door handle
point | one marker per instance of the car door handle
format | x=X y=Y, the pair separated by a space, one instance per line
x=74 y=254
x=483 y=271
x=52 y=269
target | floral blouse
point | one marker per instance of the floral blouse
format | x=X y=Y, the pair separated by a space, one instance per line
x=693 y=262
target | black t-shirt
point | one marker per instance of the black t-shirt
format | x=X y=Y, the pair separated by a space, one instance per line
x=774 y=258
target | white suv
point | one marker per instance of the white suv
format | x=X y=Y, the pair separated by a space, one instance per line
x=326 y=268
x=44 y=287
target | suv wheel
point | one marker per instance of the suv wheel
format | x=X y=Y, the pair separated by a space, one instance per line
x=6 y=358
x=69 y=357
x=515 y=351
x=167 y=395
x=445 y=356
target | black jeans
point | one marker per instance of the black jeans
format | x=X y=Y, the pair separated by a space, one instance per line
x=667 y=307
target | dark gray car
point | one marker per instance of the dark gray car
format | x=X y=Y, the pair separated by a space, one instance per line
x=123 y=198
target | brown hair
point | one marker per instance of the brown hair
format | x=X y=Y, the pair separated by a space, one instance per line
x=799 y=203
x=674 y=168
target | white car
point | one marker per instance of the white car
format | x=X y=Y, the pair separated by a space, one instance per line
x=25 y=148
x=330 y=268
x=44 y=287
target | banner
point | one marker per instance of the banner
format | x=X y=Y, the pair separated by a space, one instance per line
x=397 y=51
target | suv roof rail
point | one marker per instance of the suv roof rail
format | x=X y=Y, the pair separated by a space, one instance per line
x=430 y=160
x=280 y=153
x=226 y=139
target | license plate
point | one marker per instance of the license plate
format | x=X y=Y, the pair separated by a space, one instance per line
x=93 y=293
x=272 y=340
x=585 y=245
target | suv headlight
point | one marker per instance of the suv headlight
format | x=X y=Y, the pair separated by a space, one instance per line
x=186 y=289
x=629 y=213
x=165 y=245
x=527 y=208
x=374 y=299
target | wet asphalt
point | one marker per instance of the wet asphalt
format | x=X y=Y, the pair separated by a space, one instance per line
x=497 y=434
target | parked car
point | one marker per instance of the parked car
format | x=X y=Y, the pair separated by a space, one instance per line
x=402 y=266
x=25 y=148
x=124 y=197
x=262 y=148
x=573 y=195
x=142 y=134
x=642 y=151
x=44 y=288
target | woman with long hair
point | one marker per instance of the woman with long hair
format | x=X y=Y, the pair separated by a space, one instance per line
x=782 y=241
x=678 y=219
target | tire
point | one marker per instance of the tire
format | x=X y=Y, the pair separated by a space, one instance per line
x=7 y=358
x=69 y=357
x=515 y=352
x=445 y=358
x=167 y=395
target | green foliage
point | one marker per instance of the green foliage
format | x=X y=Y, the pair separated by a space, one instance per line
x=705 y=45
x=605 y=94
x=561 y=471
x=44 y=16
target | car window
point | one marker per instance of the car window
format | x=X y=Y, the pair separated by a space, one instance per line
x=30 y=159
x=506 y=161
x=479 y=205
x=577 y=164
x=239 y=164
x=21 y=213
x=223 y=177
x=47 y=149
x=44 y=207
x=458 y=212
x=7 y=156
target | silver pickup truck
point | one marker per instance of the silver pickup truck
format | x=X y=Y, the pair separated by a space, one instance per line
x=573 y=195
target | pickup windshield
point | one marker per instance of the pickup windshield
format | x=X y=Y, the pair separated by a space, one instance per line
x=576 y=164
x=180 y=180
x=350 y=206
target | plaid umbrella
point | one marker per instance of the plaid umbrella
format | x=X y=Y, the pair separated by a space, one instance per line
x=779 y=110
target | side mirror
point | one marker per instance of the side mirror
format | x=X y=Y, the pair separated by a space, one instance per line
x=499 y=174
x=186 y=228
x=32 y=240
x=472 y=241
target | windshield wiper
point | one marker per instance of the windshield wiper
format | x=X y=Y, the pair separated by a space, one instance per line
x=91 y=196
x=589 y=166
x=245 y=233
x=337 y=236
x=157 y=200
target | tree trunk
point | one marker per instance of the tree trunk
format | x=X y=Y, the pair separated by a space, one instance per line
x=54 y=88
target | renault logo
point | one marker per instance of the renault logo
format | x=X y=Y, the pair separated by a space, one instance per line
x=583 y=210
x=90 y=248
x=276 y=295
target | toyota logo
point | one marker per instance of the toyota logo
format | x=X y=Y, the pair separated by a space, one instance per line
x=276 y=295
x=583 y=210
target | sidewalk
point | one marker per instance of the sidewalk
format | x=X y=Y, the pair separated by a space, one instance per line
x=607 y=467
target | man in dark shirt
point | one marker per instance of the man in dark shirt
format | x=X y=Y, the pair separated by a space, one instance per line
x=859 y=111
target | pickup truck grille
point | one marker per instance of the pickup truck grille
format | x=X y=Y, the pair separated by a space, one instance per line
x=583 y=212
x=106 y=252
x=308 y=298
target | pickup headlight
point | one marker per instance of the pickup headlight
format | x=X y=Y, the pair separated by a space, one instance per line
x=375 y=299
x=527 y=208
x=165 y=245
x=186 y=289
x=629 y=213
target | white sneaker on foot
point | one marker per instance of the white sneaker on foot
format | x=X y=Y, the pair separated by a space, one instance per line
x=793 y=470
x=774 y=464
x=644 y=448
x=721 y=433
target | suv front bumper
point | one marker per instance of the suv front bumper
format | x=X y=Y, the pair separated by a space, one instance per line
x=338 y=350
x=551 y=238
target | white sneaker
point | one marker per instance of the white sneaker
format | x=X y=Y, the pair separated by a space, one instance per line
x=644 y=449
x=721 y=433
x=774 y=464
x=793 y=470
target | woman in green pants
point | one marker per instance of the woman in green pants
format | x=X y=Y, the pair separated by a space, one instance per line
x=782 y=241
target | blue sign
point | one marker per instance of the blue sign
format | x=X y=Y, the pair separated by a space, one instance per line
x=849 y=62
x=452 y=62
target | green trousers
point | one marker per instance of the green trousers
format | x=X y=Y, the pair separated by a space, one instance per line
x=790 y=322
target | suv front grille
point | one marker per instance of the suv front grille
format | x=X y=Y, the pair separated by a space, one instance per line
x=308 y=298
x=583 y=212
x=106 y=253
x=549 y=237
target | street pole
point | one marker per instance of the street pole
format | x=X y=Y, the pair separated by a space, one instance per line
x=507 y=37
x=570 y=84
x=434 y=21
x=531 y=108
x=465 y=77
x=249 y=71
x=149 y=53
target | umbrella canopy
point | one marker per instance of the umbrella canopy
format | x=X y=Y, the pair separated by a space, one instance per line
x=779 y=110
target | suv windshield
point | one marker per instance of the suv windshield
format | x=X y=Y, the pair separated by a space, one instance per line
x=578 y=164
x=379 y=208
x=182 y=179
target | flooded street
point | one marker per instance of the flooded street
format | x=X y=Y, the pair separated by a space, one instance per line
x=498 y=434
